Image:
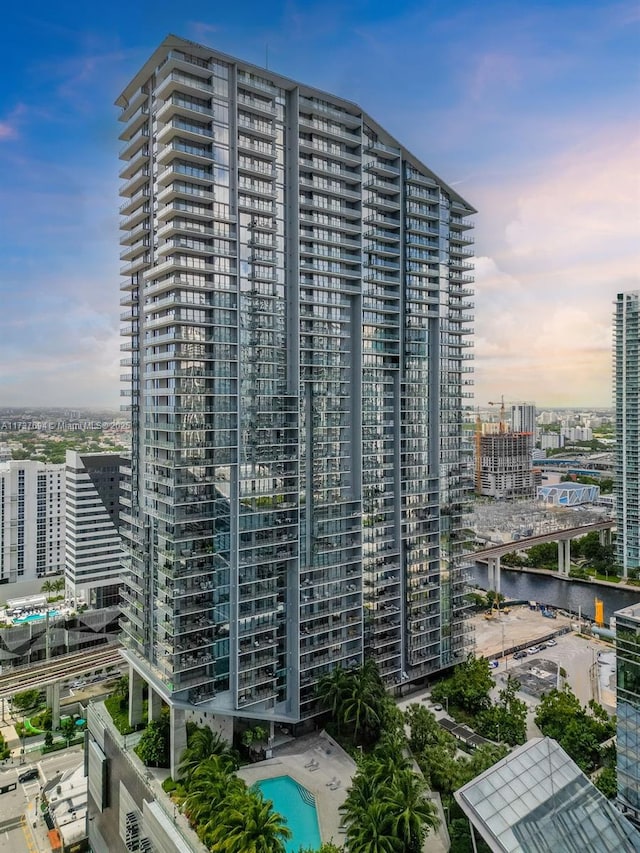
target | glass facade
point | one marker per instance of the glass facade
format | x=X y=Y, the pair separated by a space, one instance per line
x=297 y=290
x=628 y=709
x=627 y=448
x=537 y=800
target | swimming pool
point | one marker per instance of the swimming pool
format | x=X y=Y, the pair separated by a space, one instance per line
x=34 y=617
x=297 y=805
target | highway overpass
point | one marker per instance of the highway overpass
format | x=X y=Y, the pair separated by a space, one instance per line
x=563 y=537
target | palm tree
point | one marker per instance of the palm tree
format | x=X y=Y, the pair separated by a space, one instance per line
x=369 y=830
x=412 y=814
x=202 y=744
x=363 y=790
x=332 y=690
x=47 y=587
x=248 y=825
x=210 y=784
x=359 y=707
x=58 y=585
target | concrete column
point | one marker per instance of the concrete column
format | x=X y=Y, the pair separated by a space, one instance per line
x=561 y=557
x=494 y=573
x=178 y=739
x=53 y=702
x=567 y=556
x=155 y=704
x=136 y=685
x=605 y=536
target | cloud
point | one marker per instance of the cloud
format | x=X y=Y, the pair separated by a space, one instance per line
x=10 y=126
x=562 y=245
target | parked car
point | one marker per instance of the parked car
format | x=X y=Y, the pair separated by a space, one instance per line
x=551 y=643
x=533 y=650
x=519 y=655
x=494 y=664
x=29 y=775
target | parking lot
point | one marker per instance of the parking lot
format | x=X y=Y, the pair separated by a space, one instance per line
x=578 y=656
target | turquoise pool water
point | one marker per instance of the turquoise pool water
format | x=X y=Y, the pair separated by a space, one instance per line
x=34 y=617
x=297 y=805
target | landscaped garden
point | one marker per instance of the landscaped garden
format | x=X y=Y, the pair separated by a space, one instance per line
x=388 y=808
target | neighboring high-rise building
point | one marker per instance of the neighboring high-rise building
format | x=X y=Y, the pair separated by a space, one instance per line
x=93 y=551
x=523 y=418
x=504 y=466
x=296 y=299
x=628 y=710
x=31 y=520
x=627 y=409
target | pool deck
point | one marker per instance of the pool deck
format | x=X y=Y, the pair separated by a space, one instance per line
x=318 y=763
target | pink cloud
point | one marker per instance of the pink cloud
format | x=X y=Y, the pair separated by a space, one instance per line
x=554 y=250
x=9 y=127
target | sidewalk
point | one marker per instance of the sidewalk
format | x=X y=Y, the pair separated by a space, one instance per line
x=36 y=828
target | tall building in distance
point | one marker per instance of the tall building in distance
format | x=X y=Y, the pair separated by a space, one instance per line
x=523 y=418
x=627 y=412
x=504 y=465
x=297 y=299
x=93 y=551
x=32 y=510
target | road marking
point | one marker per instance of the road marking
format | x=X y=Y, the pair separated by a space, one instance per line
x=28 y=835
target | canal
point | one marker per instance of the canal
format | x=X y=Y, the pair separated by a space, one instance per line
x=566 y=595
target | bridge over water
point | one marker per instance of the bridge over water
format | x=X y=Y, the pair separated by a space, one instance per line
x=563 y=537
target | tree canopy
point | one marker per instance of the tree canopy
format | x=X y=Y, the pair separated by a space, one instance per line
x=469 y=686
x=579 y=731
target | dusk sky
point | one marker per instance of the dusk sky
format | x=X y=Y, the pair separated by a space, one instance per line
x=530 y=110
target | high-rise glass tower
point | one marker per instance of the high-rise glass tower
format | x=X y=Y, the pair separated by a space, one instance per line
x=297 y=299
x=627 y=404
x=628 y=710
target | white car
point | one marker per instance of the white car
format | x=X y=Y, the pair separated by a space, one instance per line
x=551 y=643
x=533 y=650
x=494 y=664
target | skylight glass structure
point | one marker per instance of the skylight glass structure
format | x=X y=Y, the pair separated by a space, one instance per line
x=537 y=800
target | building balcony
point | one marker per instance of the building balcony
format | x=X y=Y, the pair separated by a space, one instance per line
x=135 y=164
x=134 y=144
x=198 y=155
x=184 y=108
x=258 y=105
x=140 y=117
x=186 y=84
x=332 y=130
x=135 y=201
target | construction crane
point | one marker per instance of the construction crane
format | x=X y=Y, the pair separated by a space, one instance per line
x=502 y=428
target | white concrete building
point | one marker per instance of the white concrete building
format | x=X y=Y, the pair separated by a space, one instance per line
x=92 y=544
x=31 y=520
x=578 y=433
x=523 y=418
x=551 y=440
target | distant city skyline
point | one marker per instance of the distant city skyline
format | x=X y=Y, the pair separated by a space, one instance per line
x=502 y=105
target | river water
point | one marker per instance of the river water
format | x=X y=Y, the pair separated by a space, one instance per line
x=566 y=595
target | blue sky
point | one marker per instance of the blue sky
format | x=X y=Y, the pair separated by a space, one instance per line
x=529 y=109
